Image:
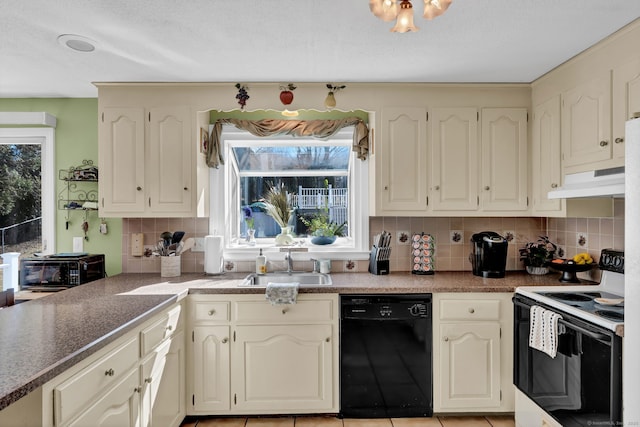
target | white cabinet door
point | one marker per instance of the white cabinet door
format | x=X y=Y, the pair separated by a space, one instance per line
x=170 y=160
x=402 y=159
x=504 y=159
x=626 y=101
x=586 y=123
x=287 y=368
x=118 y=407
x=454 y=159
x=469 y=365
x=163 y=384
x=211 y=370
x=122 y=161
x=546 y=153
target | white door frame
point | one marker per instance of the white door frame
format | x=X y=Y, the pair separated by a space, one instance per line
x=46 y=137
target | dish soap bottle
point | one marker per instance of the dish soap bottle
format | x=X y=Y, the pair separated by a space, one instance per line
x=261 y=263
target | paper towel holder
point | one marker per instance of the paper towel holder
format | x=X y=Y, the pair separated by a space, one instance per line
x=213 y=267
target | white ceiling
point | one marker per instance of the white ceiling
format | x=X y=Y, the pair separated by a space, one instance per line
x=282 y=41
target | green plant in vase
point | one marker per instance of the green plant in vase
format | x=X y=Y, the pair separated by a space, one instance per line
x=320 y=226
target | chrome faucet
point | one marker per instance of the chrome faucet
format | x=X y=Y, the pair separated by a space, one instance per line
x=289 y=259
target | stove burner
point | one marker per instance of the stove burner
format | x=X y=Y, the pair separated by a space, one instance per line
x=609 y=314
x=582 y=297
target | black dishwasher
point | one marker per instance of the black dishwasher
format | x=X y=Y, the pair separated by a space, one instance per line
x=385 y=356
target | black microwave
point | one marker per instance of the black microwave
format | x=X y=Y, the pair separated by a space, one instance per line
x=60 y=271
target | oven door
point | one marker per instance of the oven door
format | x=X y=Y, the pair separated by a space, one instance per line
x=582 y=385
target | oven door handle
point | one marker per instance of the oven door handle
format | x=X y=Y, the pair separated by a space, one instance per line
x=595 y=335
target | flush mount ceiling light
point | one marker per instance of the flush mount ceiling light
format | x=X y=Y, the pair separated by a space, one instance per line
x=77 y=43
x=402 y=12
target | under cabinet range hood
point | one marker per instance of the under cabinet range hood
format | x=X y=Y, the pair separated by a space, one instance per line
x=596 y=183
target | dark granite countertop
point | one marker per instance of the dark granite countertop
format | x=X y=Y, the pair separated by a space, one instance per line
x=42 y=338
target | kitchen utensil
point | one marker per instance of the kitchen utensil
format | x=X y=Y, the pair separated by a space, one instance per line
x=166 y=237
x=188 y=244
x=177 y=236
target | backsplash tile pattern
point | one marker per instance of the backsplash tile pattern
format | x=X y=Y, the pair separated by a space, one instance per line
x=452 y=236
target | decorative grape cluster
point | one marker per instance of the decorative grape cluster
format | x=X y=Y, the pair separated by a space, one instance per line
x=242 y=95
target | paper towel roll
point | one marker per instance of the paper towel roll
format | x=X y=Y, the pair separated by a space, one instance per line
x=213 y=260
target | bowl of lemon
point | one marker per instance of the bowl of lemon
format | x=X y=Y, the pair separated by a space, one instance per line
x=569 y=267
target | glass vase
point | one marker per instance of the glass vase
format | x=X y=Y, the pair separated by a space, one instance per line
x=251 y=237
x=537 y=271
x=285 y=237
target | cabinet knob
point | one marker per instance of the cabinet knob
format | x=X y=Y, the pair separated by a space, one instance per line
x=212 y=312
x=554 y=185
x=327 y=339
x=284 y=311
x=225 y=340
x=472 y=310
x=619 y=140
x=445 y=339
x=386 y=187
x=487 y=188
x=110 y=372
x=169 y=328
x=148 y=380
x=604 y=143
x=138 y=389
x=186 y=189
x=437 y=187
x=139 y=188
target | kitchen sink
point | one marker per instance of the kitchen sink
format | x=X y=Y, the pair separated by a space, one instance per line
x=302 y=278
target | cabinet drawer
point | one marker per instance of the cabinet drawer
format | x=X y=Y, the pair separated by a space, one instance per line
x=211 y=311
x=302 y=311
x=73 y=394
x=470 y=310
x=159 y=331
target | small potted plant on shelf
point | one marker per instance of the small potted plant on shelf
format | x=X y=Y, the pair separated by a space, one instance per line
x=321 y=228
x=536 y=255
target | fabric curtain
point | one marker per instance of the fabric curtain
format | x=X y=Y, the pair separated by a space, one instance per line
x=269 y=127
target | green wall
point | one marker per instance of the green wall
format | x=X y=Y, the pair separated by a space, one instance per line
x=76 y=140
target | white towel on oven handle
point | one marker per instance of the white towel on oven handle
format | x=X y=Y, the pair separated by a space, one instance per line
x=543 y=330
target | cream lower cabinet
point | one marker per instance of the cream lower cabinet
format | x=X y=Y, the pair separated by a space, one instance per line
x=472 y=354
x=284 y=368
x=250 y=357
x=139 y=380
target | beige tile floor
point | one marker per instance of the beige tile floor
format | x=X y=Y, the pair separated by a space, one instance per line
x=311 y=421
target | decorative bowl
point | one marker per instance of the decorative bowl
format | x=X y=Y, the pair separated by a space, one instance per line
x=323 y=240
x=569 y=270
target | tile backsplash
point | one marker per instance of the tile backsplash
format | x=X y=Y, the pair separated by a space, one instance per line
x=452 y=236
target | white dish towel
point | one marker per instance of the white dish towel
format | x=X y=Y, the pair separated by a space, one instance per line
x=543 y=330
x=282 y=293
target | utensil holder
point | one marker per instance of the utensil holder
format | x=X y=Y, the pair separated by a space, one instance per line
x=170 y=266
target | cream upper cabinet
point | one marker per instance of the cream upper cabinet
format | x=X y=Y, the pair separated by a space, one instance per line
x=586 y=123
x=472 y=352
x=402 y=160
x=122 y=161
x=626 y=101
x=146 y=162
x=546 y=169
x=454 y=159
x=504 y=160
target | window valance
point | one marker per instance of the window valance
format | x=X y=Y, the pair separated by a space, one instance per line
x=270 y=127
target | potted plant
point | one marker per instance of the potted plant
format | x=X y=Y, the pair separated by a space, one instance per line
x=322 y=229
x=536 y=255
x=276 y=204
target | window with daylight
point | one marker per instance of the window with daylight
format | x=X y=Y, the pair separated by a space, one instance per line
x=320 y=177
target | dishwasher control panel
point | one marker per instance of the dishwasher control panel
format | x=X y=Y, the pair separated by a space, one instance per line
x=387 y=307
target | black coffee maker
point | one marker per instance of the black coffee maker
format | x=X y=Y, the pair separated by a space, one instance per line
x=489 y=254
